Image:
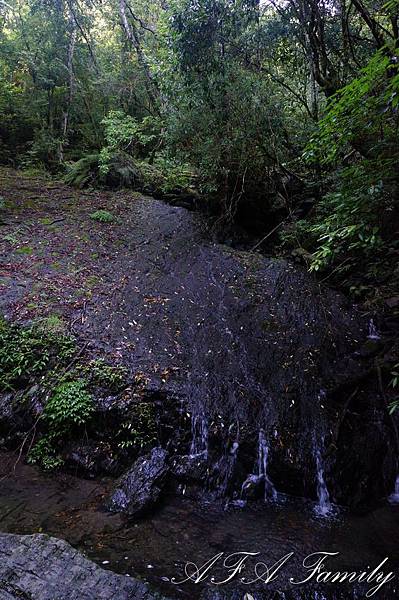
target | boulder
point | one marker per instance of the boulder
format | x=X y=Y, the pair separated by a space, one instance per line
x=139 y=489
x=39 y=567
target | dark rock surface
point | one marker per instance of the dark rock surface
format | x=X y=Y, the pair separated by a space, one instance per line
x=190 y=468
x=223 y=343
x=139 y=489
x=246 y=342
x=39 y=567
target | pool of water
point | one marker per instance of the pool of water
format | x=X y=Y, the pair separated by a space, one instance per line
x=184 y=530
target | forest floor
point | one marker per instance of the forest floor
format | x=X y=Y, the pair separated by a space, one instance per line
x=53 y=255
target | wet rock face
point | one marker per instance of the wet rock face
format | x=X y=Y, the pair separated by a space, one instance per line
x=190 y=468
x=226 y=343
x=38 y=567
x=363 y=470
x=139 y=489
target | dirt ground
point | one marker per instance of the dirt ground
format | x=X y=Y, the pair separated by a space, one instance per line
x=53 y=256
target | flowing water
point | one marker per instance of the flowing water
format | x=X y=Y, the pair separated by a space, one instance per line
x=394 y=497
x=323 y=507
x=199 y=429
x=373 y=333
x=263 y=455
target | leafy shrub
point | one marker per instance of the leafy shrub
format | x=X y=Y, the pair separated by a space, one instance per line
x=103 y=216
x=100 y=373
x=43 y=152
x=125 y=134
x=346 y=221
x=70 y=407
x=44 y=454
x=122 y=171
x=360 y=122
x=166 y=177
x=26 y=352
x=71 y=404
x=139 y=431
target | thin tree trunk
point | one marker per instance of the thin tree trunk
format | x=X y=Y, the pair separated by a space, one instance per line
x=71 y=87
x=132 y=35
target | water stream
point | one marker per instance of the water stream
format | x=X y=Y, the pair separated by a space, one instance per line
x=263 y=455
x=199 y=442
x=323 y=507
x=373 y=333
x=394 y=497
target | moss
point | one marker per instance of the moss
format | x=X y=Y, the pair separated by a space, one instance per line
x=24 y=250
x=53 y=324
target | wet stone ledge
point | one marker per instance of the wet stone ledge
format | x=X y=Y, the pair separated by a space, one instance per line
x=39 y=567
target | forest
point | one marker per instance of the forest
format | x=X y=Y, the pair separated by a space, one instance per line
x=199 y=295
x=283 y=115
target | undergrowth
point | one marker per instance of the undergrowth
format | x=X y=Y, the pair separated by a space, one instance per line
x=44 y=358
x=103 y=216
x=27 y=352
x=68 y=409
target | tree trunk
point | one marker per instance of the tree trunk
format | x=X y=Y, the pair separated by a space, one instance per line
x=132 y=35
x=71 y=88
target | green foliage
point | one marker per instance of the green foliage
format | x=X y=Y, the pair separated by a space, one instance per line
x=361 y=115
x=52 y=325
x=125 y=134
x=395 y=376
x=26 y=352
x=122 y=171
x=349 y=221
x=83 y=172
x=166 y=176
x=346 y=222
x=227 y=118
x=70 y=404
x=24 y=250
x=140 y=430
x=99 y=373
x=43 y=151
x=44 y=454
x=103 y=216
x=68 y=408
x=163 y=176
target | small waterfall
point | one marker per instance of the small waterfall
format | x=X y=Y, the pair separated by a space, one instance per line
x=324 y=506
x=394 y=497
x=263 y=455
x=252 y=481
x=373 y=331
x=225 y=468
x=199 y=442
